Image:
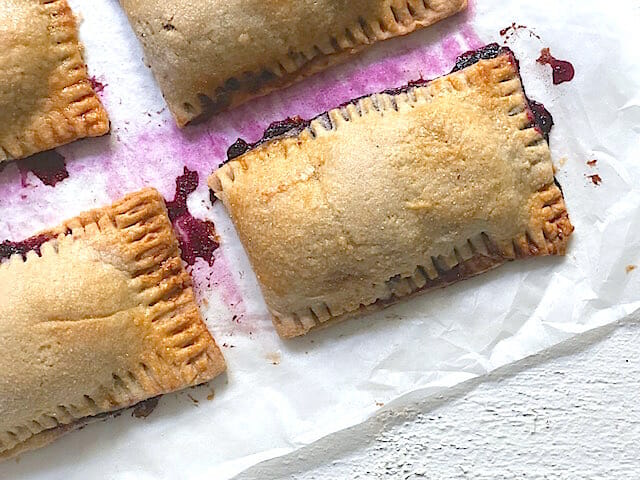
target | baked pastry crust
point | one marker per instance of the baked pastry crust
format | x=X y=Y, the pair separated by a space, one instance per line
x=97 y=319
x=395 y=193
x=209 y=55
x=46 y=98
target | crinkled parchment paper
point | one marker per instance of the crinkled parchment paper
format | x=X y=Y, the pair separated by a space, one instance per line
x=278 y=396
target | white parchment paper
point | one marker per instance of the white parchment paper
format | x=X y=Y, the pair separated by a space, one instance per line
x=277 y=395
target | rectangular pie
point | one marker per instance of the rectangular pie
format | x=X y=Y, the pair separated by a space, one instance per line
x=209 y=55
x=96 y=315
x=395 y=193
x=46 y=97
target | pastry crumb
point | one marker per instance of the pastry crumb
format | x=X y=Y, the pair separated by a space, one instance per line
x=379 y=404
x=592 y=163
x=145 y=408
x=274 y=358
x=212 y=395
x=562 y=161
x=595 y=179
x=631 y=268
x=193 y=400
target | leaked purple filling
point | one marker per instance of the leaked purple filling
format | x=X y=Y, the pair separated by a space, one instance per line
x=542 y=117
x=49 y=167
x=31 y=244
x=562 y=70
x=288 y=127
x=197 y=238
x=292 y=126
x=493 y=50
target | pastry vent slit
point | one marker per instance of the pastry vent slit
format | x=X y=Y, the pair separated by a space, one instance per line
x=296 y=320
x=516 y=110
x=148 y=372
x=396 y=17
x=119 y=383
x=350 y=37
x=366 y=28
x=91 y=403
x=326 y=122
x=334 y=44
x=359 y=110
x=375 y=101
x=180 y=328
x=314 y=316
x=196 y=358
x=188 y=341
x=422 y=271
x=458 y=256
x=394 y=102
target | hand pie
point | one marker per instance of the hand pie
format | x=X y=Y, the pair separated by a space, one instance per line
x=395 y=193
x=46 y=98
x=95 y=316
x=208 y=55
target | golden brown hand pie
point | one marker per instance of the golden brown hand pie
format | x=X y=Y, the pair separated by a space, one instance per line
x=95 y=316
x=46 y=98
x=208 y=55
x=395 y=193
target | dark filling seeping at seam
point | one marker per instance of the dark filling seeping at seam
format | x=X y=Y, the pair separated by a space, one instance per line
x=293 y=126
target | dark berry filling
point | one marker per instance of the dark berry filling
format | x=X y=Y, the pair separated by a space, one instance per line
x=493 y=50
x=197 y=238
x=49 y=167
x=542 y=117
x=563 y=71
x=32 y=244
x=290 y=126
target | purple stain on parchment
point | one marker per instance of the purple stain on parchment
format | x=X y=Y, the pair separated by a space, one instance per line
x=451 y=46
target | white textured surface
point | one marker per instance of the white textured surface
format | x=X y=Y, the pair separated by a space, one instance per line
x=571 y=412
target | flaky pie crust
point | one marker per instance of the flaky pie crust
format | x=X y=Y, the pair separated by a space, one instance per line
x=103 y=318
x=396 y=194
x=209 y=55
x=46 y=98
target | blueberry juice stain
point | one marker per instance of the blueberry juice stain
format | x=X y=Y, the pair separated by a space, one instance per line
x=197 y=238
x=563 y=71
